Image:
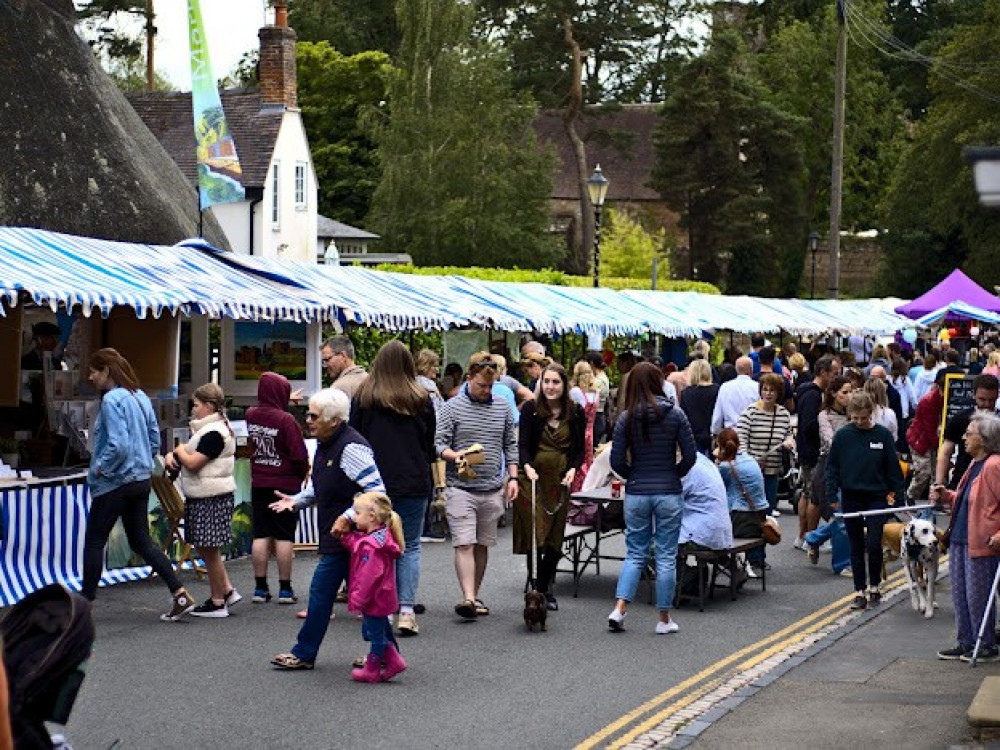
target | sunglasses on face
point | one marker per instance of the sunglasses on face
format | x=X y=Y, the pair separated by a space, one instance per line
x=486 y=364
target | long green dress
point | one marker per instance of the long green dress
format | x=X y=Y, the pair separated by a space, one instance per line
x=552 y=497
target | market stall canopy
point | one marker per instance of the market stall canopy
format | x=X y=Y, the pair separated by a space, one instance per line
x=958 y=310
x=956 y=287
x=62 y=270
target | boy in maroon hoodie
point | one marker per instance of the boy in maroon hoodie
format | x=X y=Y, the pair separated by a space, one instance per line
x=280 y=462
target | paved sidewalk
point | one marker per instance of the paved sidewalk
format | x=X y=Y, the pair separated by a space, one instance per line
x=875 y=683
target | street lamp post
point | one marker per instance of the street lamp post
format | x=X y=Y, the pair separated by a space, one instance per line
x=597 y=188
x=813 y=247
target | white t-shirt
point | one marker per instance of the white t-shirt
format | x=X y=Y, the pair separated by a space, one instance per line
x=583 y=398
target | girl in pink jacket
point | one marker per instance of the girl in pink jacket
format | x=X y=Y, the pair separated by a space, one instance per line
x=374 y=548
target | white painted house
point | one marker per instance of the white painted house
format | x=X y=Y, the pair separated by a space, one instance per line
x=279 y=217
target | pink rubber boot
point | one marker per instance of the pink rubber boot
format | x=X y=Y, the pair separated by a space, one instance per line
x=394 y=663
x=369 y=672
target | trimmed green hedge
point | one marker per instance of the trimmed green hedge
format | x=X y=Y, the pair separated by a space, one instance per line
x=548 y=276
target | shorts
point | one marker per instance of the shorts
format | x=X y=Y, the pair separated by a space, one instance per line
x=473 y=515
x=208 y=521
x=268 y=524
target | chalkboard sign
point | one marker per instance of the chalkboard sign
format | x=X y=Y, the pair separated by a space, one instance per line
x=959 y=395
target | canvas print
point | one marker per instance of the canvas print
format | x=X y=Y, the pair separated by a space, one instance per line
x=278 y=347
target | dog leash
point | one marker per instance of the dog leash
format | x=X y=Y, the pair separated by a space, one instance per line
x=884 y=511
x=533 y=562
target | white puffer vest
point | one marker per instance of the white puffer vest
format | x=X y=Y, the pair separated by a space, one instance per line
x=215 y=477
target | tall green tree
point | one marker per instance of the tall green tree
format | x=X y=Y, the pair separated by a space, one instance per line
x=463 y=181
x=933 y=217
x=349 y=26
x=728 y=162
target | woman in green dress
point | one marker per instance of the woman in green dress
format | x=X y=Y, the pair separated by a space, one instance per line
x=551 y=450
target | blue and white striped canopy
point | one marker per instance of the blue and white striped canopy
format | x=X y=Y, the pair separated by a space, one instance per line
x=958 y=310
x=62 y=270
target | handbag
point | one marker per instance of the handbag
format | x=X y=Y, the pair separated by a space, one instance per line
x=770 y=531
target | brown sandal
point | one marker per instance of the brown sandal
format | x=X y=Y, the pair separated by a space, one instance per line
x=466 y=609
x=481 y=609
x=290 y=661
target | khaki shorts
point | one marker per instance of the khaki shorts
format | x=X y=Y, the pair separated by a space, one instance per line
x=473 y=516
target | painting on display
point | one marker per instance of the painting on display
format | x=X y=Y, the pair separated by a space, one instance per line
x=275 y=347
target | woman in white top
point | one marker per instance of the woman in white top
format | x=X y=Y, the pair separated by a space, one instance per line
x=883 y=415
x=585 y=393
x=903 y=387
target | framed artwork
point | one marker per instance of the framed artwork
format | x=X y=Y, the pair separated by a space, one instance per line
x=250 y=349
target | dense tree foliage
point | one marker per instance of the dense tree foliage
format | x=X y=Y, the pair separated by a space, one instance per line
x=463 y=178
x=348 y=25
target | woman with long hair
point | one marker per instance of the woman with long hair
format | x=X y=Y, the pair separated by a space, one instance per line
x=647 y=438
x=126 y=440
x=551 y=448
x=395 y=414
x=206 y=465
x=585 y=393
x=883 y=415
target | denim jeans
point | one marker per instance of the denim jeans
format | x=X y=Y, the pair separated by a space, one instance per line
x=411 y=512
x=330 y=573
x=835 y=532
x=128 y=502
x=771 y=490
x=649 y=517
x=378 y=632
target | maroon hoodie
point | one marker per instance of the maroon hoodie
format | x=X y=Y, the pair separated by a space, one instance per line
x=280 y=460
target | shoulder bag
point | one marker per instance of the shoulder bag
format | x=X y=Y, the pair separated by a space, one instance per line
x=770 y=531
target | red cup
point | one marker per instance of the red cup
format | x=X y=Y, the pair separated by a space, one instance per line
x=616 y=488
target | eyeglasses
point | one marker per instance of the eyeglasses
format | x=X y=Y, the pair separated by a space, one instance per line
x=311 y=416
x=327 y=359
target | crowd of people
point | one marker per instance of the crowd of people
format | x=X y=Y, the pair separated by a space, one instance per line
x=702 y=450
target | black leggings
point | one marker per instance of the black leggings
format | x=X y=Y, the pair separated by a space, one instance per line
x=548 y=559
x=856 y=528
x=128 y=502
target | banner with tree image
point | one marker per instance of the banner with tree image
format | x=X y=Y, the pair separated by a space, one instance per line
x=219 y=171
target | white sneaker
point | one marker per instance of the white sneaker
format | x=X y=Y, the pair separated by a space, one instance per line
x=752 y=572
x=826 y=547
x=667 y=627
x=847 y=573
x=233 y=597
x=775 y=513
x=799 y=543
x=616 y=620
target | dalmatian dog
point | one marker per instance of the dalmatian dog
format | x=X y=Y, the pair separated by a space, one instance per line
x=919 y=551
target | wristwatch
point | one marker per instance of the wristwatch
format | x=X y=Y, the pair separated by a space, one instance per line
x=510 y=479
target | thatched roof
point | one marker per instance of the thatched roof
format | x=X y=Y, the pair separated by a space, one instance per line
x=75 y=157
x=620 y=139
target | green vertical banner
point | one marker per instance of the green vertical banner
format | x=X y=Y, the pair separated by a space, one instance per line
x=219 y=170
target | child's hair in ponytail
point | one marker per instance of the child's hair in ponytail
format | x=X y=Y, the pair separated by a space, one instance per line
x=381 y=507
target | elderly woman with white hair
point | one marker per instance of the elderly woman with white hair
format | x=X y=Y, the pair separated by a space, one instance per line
x=343 y=466
x=975 y=539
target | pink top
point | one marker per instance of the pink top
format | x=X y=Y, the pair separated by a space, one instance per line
x=372 y=588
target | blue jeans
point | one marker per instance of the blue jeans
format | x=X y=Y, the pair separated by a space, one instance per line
x=835 y=532
x=377 y=631
x=771 y=490
x=411 y=512
x=330 y=573
x=649 y=517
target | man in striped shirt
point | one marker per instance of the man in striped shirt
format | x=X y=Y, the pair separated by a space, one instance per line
x=474 y=504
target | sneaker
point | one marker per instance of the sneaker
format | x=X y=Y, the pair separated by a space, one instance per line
x=183 y=603
x=846 y=573
x=775 y=513
x=986 y=654
x=953 y=654
x=860 y=601
x=550 y=603
x=799 y=543
x=826 y=547
x=874 y=597
x=754 y=572
x=210 y=609
x=261 y=596
x=616 y=621
x=233 y=597
x=407 y=624
x=433 y=537
x=287 y=596
x=662 y=628
x=813 y=551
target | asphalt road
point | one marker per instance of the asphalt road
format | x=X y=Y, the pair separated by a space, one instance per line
x=483 y=684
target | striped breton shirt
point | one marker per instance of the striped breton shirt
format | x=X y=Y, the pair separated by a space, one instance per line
x=761 y=432
x=463 y=421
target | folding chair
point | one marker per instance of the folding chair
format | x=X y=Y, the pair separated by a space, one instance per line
x=173 y=507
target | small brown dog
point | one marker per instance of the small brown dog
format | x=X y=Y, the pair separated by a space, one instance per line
x=535 y=610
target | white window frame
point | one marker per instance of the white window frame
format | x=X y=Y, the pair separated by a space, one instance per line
x=275 y=195
x=301 y=175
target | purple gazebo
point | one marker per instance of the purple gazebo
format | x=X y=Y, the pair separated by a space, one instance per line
x=956 y=287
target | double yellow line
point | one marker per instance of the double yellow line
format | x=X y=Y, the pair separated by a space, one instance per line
x=632 y=725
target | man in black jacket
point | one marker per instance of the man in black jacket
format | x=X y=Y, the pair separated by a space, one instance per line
x=808 y=404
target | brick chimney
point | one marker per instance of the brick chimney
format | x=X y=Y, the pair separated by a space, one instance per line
x=278 y=81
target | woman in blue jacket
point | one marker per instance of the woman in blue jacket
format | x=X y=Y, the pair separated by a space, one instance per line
x=644 y=450
x=126 y=439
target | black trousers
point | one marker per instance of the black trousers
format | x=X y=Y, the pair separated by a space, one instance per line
x=865 y=536
x=129 y=503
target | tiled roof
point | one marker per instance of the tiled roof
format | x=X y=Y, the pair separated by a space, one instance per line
x=255 y=130
x=327 y=227
x=620 y=139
